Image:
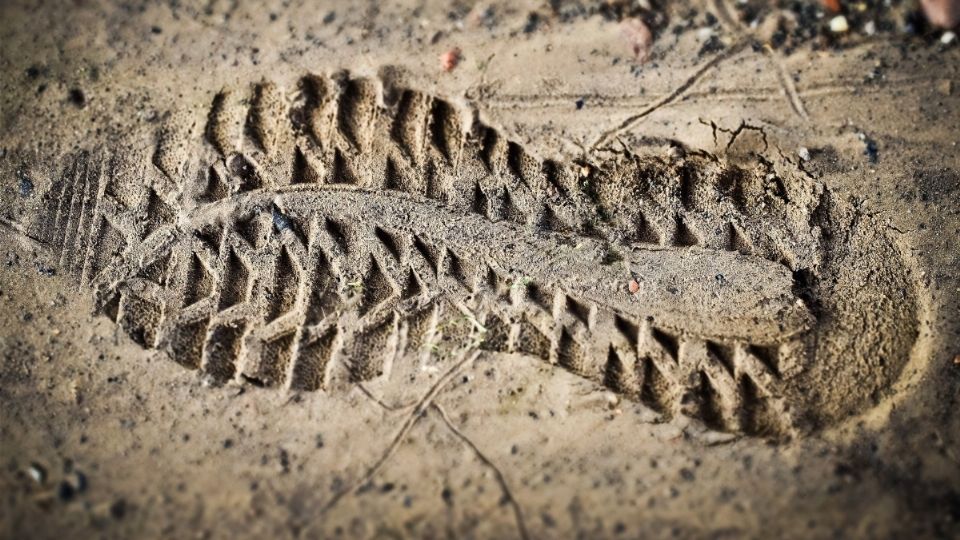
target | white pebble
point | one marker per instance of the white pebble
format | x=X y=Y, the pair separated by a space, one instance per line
x=37 y=473
x=804 y=154
x=839 y=24
x=947 y=38
x=870 y=28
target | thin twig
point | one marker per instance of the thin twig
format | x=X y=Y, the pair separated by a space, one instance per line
x=517 y=510
x=674 y=95
x=386 y=406
x=783 y=74
x=786 y=81
x=408 y=423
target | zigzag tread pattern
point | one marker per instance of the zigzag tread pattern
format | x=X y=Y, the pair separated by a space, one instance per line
x=318 y=237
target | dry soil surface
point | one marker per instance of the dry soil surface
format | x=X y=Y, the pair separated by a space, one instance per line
x=505 y=269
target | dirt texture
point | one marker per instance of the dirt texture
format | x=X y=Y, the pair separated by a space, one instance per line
x=506 y=269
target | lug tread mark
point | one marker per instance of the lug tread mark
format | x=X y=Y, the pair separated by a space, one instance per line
x=282 y=295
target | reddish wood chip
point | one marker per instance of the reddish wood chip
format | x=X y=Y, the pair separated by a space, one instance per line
x=633 y=286
x=450 y=59
x=942 y=13
x=638 y=37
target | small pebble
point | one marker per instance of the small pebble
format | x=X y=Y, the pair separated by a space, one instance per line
x=38 y=473
x=870 y=28
x=280 y=221
x=633 y=286
x=945 y=87
x=804 y=154
x=839 y=24
x=612 y=399
x=948 y=38
x=79 y=482
x=26 y=184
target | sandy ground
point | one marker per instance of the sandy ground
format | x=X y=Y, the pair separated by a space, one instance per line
x=100 y=437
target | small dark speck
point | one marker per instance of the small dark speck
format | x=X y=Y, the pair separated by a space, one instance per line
x=33 y=72
x=548 y=520
x=66 y=491
x=579 y=103
x=712 y=45
x=533 y=21
x=871 y=151
x=330 y=17
x=687 y=474
x=118 y=509
x=156 y=30
x=77 y=97
x=447 y=495
x=228 y=443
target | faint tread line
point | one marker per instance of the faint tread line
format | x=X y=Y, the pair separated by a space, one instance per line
x=786 y=81
x=672 y=96
x=610 y=101
x=19 y=230
x=783 y=76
